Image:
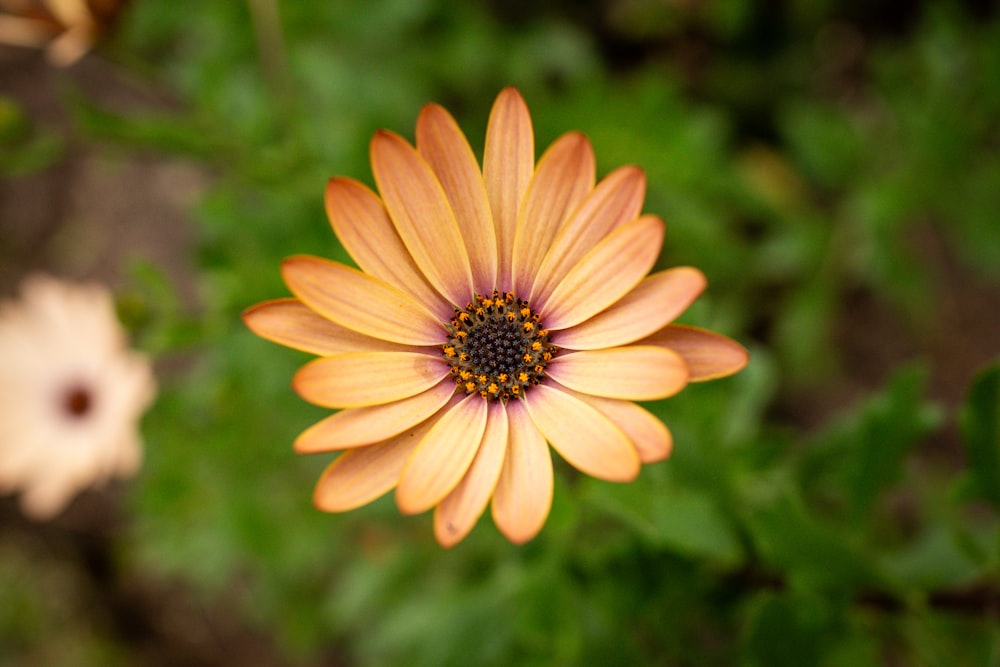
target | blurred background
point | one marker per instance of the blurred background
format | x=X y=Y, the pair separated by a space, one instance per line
x=832 y=167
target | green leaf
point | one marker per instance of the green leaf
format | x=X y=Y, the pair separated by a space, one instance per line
x=861 y=455
x=786 y=631
x=936 y=560
x=814 y=554
x=944 y=640
x=979 y=423
x=682 y=519
x=890 y=426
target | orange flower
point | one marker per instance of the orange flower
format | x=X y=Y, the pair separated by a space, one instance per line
x=495 y=311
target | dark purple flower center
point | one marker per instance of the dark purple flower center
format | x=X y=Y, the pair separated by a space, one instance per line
x=497 y=347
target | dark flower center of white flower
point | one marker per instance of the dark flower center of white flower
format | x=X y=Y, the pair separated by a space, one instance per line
x=77 y=401
x=497 y=347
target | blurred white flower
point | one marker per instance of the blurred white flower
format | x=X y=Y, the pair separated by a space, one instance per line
x=71 y=394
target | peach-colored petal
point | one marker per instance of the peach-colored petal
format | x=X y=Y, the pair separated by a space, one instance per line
x=355 y=300
x=633 y=372
x=364 y=426
x=289 y=322
x=617 y=199
x=654 y=303
x=458 y=512
x=708 y=355
x=605 y=274
x=508 y=163
x=649 y=435
x=587 y=439
x=71 y=45
x=444 y=455
x=364 y=228
x=447 y=151
x=523 y=495
x=70 y=12
x=359 y=476
x=359 y=379
x=564 y=177
x=422 y=215
x=18 y=31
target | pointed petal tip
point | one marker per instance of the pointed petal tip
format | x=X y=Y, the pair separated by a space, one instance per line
x=294 y=263
x=407 y=505
x=510 y=96
x=248 y=314
x=521 y=538
x=445 y=541
x=431 y=108
x=508 y=91
x=708 y=355
x=381 y=140
x=447 y=534
x=577 y=143
x=738 y=359
x=287 y=321
x=333 y=185
x=728 y=357
x=693 y=275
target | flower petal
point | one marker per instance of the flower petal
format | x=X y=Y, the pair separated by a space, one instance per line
x=648 y=434
x=359 y=476
x=355 y=300
x=564 y=176
x=633 y=373
x=420 y=211
x=523 y=495
x=458 y=512
x=447 y=151
x=359 y=379
x=508 y=163
x=289 y=322
x=654 y=303
x=605 y=274
x=708 y=355
x=364 y=228
x=587 y=439
x=442 y=458
x=363 y=426
x=18 y=31
x=617 y=199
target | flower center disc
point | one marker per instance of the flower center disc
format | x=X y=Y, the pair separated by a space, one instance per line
x=77 y=401
x=496 y=347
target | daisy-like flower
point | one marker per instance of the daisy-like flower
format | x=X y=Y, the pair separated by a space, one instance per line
x=496 y=311
x=71 y=394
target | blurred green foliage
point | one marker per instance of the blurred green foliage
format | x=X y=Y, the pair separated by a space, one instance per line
x=809 y=159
